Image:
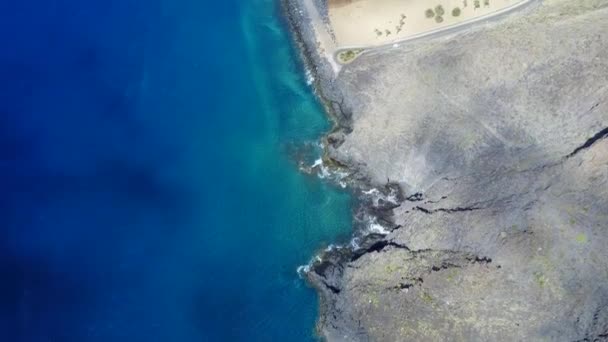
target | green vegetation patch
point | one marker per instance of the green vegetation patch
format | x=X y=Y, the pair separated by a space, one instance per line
x=436 y=13
x=540 y=279
x=452 y=275
x=426 y=297
x=456 y=12
x=347 y=56
x=581 y=238
x=439 y=10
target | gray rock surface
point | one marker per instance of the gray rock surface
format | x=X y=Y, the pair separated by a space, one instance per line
x=498 y=140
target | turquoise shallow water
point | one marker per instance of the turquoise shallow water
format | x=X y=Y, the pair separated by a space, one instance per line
x=148 y=165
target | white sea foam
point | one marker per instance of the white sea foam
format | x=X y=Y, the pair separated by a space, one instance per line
x=324 y=172
x=392 y=197
x=376 y=196
x=302 y=270
x=340 y=176
x=309 y=77
x=331 y=248
x=377 y=228
x=371 y=191
x=372 y=226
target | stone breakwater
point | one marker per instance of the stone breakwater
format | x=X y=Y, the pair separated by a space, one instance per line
x=484 y=156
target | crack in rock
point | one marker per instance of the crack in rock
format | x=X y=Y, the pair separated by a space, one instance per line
x=446 y=210
x=597 y=137
x=443 y=265
x=333 y=289
x=407 y=286
x=378 y=247
x=417 y=197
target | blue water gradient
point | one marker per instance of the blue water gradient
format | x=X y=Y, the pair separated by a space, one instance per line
x=148 y=177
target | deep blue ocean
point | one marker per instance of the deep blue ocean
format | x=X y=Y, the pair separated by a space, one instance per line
x=149 y=173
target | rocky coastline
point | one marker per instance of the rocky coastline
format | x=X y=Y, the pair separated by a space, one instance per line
x=483 y=155
x=375 y=200
x=375 y=203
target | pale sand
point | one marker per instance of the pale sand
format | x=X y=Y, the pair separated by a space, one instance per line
x=355 y=22
x=326 y=46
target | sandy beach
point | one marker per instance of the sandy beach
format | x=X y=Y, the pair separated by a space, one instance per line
x=377 y=22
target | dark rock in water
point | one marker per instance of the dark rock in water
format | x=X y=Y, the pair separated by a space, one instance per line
x=497 y=138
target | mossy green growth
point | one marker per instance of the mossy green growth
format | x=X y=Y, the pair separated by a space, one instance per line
x=581 y=238
x=429 y=13
x=452 y=274
x=426 y=297
x=456 y=12
x=540 y=279
x=373 y=300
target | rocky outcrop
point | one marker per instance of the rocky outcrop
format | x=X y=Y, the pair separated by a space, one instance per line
x=497 y=138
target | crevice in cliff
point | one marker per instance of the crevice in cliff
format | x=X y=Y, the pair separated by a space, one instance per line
x=597 y=137
x=479 y=260
x=343 y=115
x=407 y=285
x=437 y=201
x=377 y=247
x=600 y=337
x=403 y=286
x=332 y=288
x=453 y=260
x=446 y=210
x=417 y=197
x=397 y=227
x=444 y=267
x=595 y=331
x=424 y=210
x=470 y=259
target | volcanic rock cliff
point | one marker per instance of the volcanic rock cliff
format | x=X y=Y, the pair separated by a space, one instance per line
x=497 y=137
